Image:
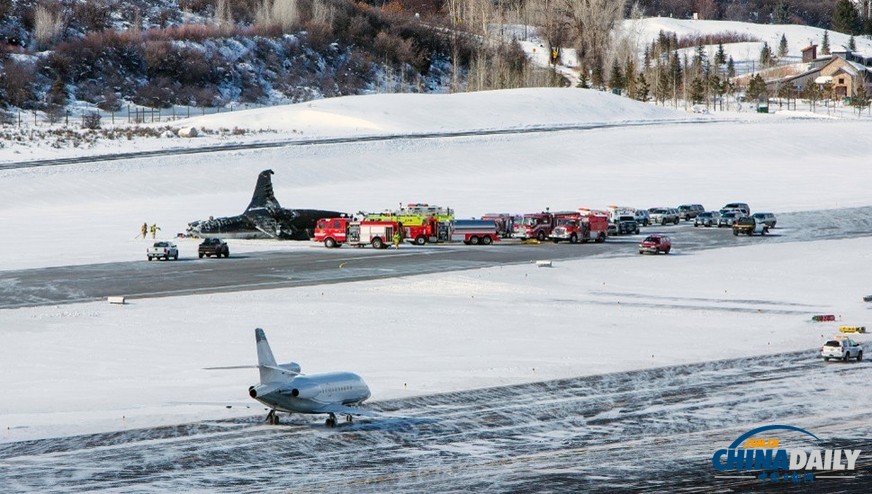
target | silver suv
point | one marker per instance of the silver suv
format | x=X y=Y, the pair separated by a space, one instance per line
x=663 y=215
x=688 y=212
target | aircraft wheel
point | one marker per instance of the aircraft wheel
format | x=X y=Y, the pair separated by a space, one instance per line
x=330 y=422
x=348 y=419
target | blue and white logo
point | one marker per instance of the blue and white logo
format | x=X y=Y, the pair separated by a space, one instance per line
x=759 y=453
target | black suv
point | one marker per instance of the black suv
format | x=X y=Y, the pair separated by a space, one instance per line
x=213 y=247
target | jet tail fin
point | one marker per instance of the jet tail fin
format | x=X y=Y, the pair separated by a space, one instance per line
x=266 y=363
x=263 y=197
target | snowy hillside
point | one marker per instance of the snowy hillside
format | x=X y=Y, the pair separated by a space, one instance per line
x=644 y=31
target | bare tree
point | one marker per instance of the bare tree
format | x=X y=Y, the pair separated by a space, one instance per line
x=592 y=23
x=47 y=25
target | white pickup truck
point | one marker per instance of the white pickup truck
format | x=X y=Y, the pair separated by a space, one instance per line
x=163 y=250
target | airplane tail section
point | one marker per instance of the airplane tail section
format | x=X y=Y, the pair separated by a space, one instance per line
x=263 y=197
x=266 y=363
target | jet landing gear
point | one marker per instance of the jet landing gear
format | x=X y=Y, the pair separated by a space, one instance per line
x=272 y=418
x=331 y=420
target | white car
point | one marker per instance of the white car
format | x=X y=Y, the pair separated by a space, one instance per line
x=843 y=348
x=163 y=250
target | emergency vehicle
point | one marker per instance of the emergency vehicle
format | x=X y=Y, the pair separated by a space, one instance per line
x=535 y=225
x=474 y=232
x=623 y=220
x=422 y=223
x=580 y=226
x=505 y=222
x=337 y=231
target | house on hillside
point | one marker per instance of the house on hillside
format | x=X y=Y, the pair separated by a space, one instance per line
x=844 y=69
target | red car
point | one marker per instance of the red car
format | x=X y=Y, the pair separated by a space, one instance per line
x=654 y=244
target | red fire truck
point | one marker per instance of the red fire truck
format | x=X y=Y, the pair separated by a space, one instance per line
x=422 y=223
x=580 y=226
x=535 y=225
x=337 y=231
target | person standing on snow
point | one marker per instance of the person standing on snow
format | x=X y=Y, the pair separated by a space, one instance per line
x=154 y=229
x=144 y=229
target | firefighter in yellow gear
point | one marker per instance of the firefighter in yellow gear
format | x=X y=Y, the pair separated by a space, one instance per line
x=396 y=239
x=144 y=230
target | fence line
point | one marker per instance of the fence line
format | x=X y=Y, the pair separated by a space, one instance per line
x=131 y=114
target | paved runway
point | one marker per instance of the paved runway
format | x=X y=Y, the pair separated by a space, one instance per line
x=641 y=431
x=138 y=279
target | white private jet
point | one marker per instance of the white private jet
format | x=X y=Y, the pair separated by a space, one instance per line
x=283 y=388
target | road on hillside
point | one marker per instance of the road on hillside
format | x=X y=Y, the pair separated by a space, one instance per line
x=318 y=265
x=651 y=431
x=344 y=140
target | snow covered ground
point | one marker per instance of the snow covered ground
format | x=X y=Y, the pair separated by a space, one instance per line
x=95 y=367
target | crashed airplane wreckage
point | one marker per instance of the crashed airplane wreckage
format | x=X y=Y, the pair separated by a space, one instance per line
x=264 y=218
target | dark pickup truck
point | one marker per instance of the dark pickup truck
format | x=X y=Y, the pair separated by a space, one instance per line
x=213 y=247
x=749 y=226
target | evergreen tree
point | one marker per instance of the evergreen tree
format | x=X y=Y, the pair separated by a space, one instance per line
x=781 y=15
x=646 y=60
x=642 y=88
x=717 y=88
x=767 y=58
x=825 y=44
x=860 y=100
x=597 y=80
x=629 y=79
x=852 y=44
x=731 y=68
x=757 y=89
x=846 y=19
x=697 y=91
x=582 y=80
x=663 y=89
x=720 y=56
x=616 y=77
x=782 y=47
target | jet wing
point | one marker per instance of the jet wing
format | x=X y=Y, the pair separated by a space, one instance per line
x=344 y=410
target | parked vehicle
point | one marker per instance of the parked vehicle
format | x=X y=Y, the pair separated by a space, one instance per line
x=422 y=223
x=707 y=219
x=748 y=226
x=163 y=250
x=213 y=247
x=334 y=232
x=580 y=226
x=642 y=217
x=535 y=225
x=622 y=221
x=738 y=205
x=474 y=232
x=505 y=222
x=663 y=216
x=843 y=348
x=688 y=212
x=728 y=218
x=767 y=218
x=654 y=244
